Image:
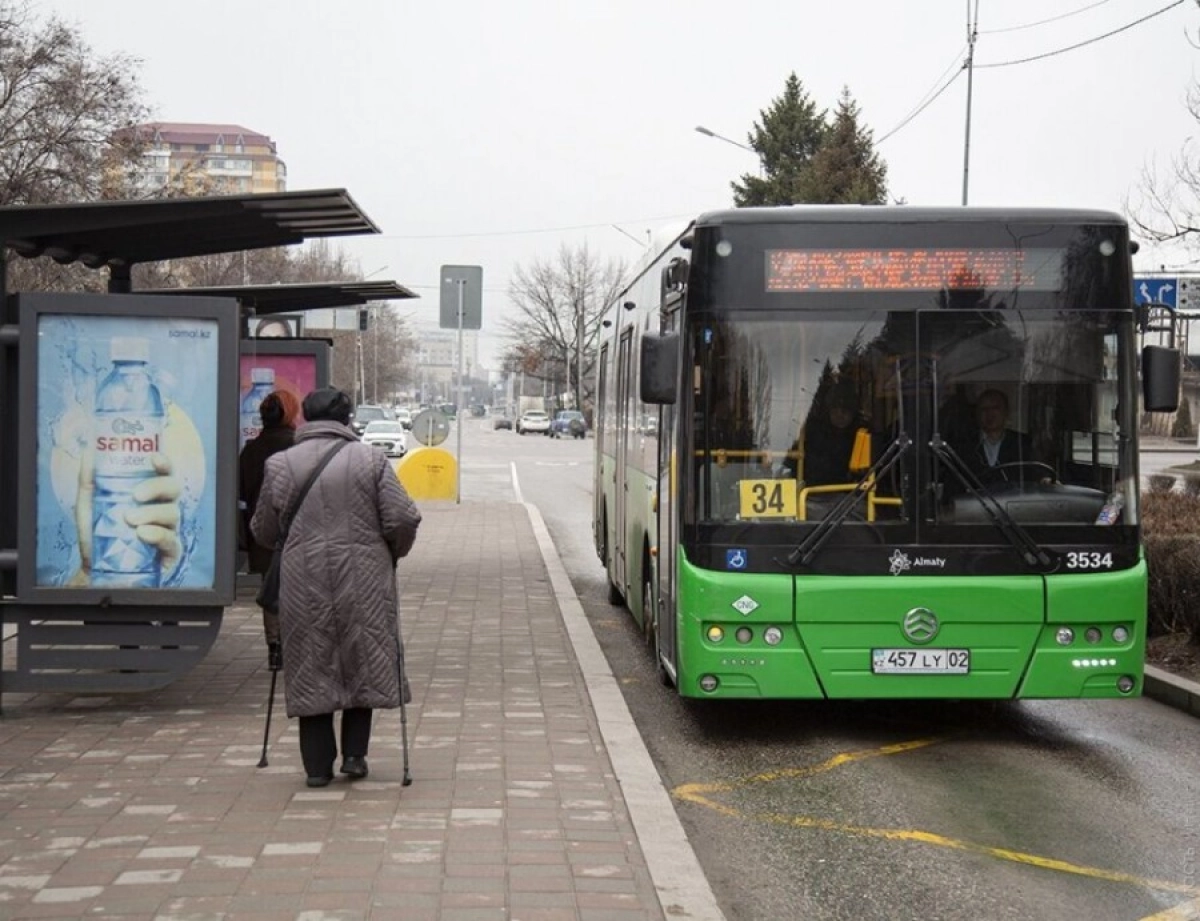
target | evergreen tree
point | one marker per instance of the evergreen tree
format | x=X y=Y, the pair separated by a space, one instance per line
x=807 y=160
x=786 y=138
x=845 y=169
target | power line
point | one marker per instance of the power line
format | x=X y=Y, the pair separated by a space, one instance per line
x=1042 y=22
x=1090 y=41
x=945 y=86
x=518 y=233
x=925 y=100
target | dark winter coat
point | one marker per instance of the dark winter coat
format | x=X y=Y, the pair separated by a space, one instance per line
x=1015 y=448
x=251 y=467
x=338 y=596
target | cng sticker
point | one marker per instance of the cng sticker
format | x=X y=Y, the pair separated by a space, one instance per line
x=745 y=605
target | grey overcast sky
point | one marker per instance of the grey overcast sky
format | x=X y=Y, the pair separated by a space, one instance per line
x=491 y=133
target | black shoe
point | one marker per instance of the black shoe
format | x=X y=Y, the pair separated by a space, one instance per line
x=354 y=768
x=322 y=781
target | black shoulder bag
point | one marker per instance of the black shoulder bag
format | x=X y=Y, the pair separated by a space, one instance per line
x=268 y=594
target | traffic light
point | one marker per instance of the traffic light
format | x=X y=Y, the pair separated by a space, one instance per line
x=362 y=319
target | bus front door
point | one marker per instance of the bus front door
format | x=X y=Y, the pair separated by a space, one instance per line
x=620 y=459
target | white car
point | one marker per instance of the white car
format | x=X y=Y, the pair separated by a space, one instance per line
x=404 y=417
x=388 y=435
x=533 y=420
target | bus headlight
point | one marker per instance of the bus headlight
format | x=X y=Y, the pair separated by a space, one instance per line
x=708 y=683
x=1092 y=634
x=1065 y=636
x=1125 y=684
x=1120 y=635
x=715 y=633
x=743 y=635
x=773 y=636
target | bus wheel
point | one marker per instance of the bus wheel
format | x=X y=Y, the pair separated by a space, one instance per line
x=651 y=627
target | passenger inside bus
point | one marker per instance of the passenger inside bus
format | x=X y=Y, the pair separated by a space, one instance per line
x=822 y=454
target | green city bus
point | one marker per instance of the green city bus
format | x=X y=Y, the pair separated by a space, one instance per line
x=923 y=568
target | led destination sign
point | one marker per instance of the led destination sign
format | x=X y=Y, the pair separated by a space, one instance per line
x=797 y=270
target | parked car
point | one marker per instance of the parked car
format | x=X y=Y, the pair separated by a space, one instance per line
x=502 y=422
x=388 y=435
x=366 y=414
x=533 y=420
x=404 y=417
x=568 y=422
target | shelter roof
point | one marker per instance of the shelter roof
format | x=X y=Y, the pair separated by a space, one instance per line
x=121 y=233
x=272 y=299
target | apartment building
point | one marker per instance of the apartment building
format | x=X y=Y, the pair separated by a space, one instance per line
x=203 y=159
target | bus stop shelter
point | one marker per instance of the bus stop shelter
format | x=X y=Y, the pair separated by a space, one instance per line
x=87 y=648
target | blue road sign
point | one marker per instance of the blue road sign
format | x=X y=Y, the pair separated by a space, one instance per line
x=1159 y=291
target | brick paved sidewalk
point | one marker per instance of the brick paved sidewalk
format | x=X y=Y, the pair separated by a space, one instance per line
x=151 y=806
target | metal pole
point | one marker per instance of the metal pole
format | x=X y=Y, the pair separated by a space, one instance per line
x=357 y=353
x=375 y=353
x=579 y=358
x=458 y=422
x=972 y=32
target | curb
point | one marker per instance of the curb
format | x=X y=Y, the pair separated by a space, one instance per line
x=1171 y=690
x=683 y=890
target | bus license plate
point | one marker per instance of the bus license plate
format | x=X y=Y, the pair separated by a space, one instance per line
x=920 y=661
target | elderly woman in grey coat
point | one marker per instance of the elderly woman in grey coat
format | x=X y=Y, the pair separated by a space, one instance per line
x=338 y=613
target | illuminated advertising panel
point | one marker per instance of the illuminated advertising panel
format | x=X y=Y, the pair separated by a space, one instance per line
x=943 y=268
x=296 y=367
x=128 y=472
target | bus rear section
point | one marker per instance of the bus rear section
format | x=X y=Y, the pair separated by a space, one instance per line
x=865 y=637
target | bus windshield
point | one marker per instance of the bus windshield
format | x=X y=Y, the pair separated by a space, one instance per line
x=791 y=414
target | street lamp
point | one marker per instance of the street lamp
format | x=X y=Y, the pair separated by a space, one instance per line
x=708 y=132
x=720 y=137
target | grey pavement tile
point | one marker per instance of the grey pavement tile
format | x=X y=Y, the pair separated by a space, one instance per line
x=515 y=814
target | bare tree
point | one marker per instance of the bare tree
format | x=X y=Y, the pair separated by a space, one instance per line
x=559 y=305
x=315 y=261
x=1166 y=209
x=60 y=108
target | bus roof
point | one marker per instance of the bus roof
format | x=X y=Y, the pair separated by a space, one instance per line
x=902 y=214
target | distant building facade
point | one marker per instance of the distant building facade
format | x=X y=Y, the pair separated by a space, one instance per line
x=437 y=360
x=203 y=159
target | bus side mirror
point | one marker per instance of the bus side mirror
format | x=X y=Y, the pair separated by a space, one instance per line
x=659 y=367
x=1160 y=379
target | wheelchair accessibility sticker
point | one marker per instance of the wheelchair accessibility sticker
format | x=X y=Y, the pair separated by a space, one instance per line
x=735 y=559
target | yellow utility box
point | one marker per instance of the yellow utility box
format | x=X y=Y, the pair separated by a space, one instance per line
x=429 y=473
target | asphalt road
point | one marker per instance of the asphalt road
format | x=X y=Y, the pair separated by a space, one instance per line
x=903 y=810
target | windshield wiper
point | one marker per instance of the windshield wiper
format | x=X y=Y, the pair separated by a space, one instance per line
x=841 y=511
x=1031 y=552
x=812 y=544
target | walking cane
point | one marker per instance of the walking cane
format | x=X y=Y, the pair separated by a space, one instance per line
x=407 y=781
x=275 y=663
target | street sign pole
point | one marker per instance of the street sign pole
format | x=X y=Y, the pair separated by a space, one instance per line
x=458 y=415
x=461 y=308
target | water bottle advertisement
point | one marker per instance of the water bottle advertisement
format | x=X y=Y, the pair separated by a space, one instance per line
x=266 y=369
x=128 y=467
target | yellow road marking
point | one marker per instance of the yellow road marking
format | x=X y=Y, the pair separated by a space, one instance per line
x=697 y=792
x=701 y=795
